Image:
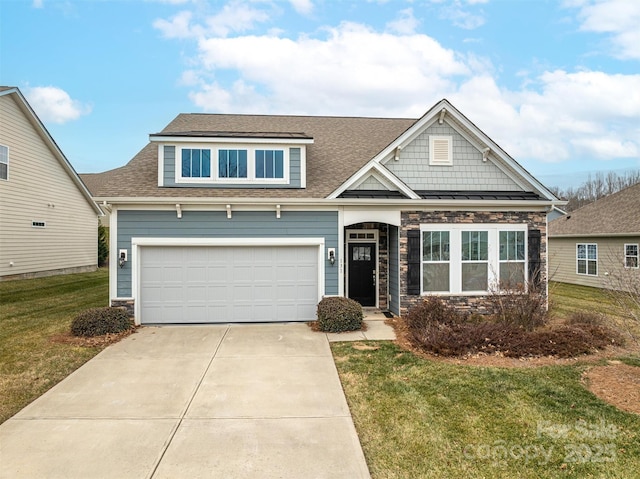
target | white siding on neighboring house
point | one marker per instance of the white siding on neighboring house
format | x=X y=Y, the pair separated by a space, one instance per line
x=610 y=260
x=40 y=190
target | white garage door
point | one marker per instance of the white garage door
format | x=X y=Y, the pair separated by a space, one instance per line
x=219 y=284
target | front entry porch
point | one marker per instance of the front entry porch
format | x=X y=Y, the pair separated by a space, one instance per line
x=371 y=265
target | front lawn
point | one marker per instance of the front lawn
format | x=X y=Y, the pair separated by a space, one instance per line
x=426 y=418
x=32 y=312
x=422 y=418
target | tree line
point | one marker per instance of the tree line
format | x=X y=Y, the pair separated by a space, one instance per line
x=595 y=187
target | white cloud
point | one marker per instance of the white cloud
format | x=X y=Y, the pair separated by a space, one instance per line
x=569 y=115
x=340 y=73
x=234 y=17
x=351 y=69
x=303 y=7
x=405 y=24
x=618 y=18
x=55 y=105
x=38 y=4
x=461 y=15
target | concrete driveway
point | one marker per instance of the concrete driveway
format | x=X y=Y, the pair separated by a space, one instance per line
x=221 y=401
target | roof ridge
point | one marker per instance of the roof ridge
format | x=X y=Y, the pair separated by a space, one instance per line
x=266 y=115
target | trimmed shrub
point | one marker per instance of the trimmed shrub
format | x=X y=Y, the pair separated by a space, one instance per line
x=99 y=321
x=338 y=314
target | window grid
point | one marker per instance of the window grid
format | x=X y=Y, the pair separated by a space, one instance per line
x=631 y=258
x=232 y=163
x=436 y=261
x=269 y=164
x=196 y=163
x=475 y=260
x=587 y=259
x=4 y=162
x=512 y=258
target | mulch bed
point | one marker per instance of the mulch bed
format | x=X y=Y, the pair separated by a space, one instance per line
x=95 y=341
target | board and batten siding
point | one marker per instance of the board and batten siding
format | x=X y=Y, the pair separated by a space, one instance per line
x=563 y=266
x=40 y=189
x=468 y=171
x=169 y=172
x=215 y=224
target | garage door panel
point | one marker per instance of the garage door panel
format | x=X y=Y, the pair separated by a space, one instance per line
x=187 y=284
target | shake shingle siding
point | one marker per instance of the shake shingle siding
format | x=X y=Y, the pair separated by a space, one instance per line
x=468 y=171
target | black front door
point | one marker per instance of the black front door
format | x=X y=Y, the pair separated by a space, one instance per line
x=362 y=273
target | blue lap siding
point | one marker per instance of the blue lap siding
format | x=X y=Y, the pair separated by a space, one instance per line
x=215 y=224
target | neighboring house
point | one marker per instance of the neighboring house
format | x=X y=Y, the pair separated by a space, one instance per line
x=48 y=221
x=553 y=214
x=226 y=218
x=93 y=182
x=598 y=244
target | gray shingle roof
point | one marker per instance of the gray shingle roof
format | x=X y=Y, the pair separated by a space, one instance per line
x=342 y=145
x=618 y=213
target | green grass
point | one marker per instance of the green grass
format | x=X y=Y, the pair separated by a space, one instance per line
x=420 y=418
x=31 y=313
x=568 y=298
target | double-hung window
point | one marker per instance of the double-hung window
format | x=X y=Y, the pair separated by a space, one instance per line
x=631 y=256
x=232 y=163
x=196 y=163
x=587 y=258
x=269 y=164
x=436 y=261
x=475 y=260
x=512 y=256
x=4 y=163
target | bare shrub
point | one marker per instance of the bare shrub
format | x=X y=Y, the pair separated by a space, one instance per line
x=526 y=309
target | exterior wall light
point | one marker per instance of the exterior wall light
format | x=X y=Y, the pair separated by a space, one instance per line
x=331 y=253
x=122 y=257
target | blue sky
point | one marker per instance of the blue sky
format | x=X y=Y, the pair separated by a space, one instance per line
x=555 y=83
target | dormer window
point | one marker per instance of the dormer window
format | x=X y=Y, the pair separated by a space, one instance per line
x=196 y=163
x=232 y=164
x=269 y=164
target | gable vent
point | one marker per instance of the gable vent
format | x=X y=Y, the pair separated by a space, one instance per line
x=440 y=151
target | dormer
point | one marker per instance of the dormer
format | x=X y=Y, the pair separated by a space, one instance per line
x=232 y=159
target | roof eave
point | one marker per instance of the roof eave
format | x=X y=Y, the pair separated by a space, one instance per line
x=229 y=139
x=592 y=235
x=538 y=205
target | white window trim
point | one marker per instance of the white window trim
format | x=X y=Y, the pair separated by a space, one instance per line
x=587 y=259
x=7 y=163
x=455 y=255
x=251 y=164
x=637 y=256
x=432 y=159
